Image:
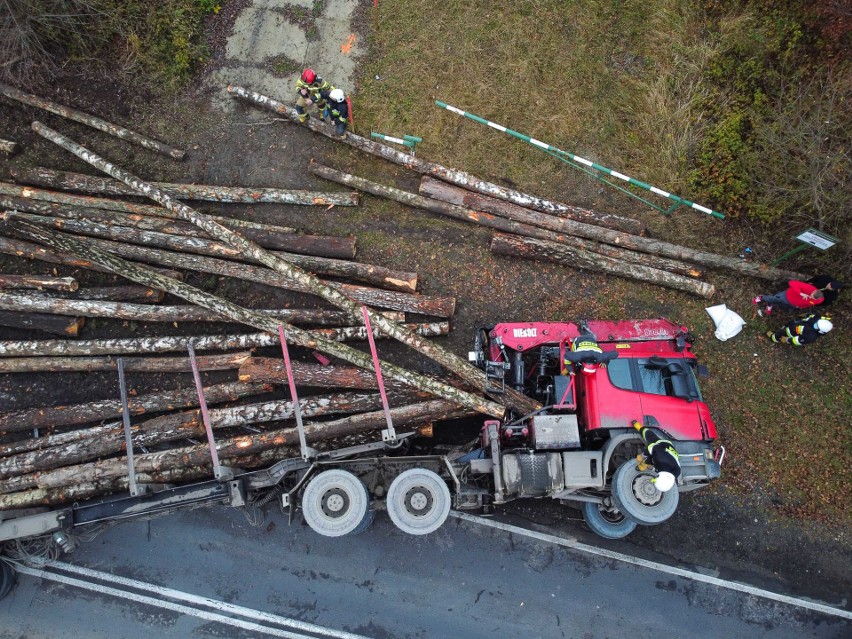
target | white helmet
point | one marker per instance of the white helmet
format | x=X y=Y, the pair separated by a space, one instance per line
x=823 y=325
x=337 y=95
x=664 y=481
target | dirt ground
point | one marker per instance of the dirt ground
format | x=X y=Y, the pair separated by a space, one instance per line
x=236 y=144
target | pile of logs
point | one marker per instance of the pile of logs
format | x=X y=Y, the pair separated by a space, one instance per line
x=531 y=227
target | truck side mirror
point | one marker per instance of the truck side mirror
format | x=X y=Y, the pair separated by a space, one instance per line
x=702 y=371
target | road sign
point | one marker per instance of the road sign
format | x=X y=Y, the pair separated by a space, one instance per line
x=822 y=241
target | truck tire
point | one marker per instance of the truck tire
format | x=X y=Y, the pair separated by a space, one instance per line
x=335 y=503
x=7 y=578
x=418 y=501
x=609 y=523
x=635 y=495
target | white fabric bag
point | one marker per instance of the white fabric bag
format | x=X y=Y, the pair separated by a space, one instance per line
x=728 y=323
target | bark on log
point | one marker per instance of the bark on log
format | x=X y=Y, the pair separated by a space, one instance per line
x=37 y=201
x=293 y=335
x=67 y=181
x=272 y=370
x=146 y=313
x=181 y=469
x=90 y=120
x=393 y=300
x=531 y=248
x=8 y=147
x=460 y=197
x=66 y=326
x=73 y=414
x=28 y=250
x=466 y=371
x=465 y=180
x=141 y=294
x=228 y=361
x=39 y=282
x=274 y=237
x=16 y=472
x=136 y=345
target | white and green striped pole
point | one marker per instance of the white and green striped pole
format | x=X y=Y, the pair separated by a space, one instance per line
x=407 y=140
x=588 y=163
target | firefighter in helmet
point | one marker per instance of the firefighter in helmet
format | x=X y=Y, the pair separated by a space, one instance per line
x=339 y=111
x=311 y=89
x=659 y=453
x=804 y=330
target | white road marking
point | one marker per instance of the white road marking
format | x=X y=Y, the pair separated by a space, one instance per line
x=653 y=565
x=169 y=593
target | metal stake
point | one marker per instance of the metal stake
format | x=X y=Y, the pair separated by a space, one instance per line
x=388 y=435
x=297 y=409
x=128 y=440
x=218 y=471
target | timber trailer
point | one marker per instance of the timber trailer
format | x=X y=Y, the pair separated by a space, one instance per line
x=579 y=447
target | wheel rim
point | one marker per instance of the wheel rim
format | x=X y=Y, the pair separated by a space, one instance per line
x=645 y=491
x=418 y=501
x=611 y=514
x=335 y=503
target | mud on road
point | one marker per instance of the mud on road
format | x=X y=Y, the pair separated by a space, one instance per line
x=233 y=144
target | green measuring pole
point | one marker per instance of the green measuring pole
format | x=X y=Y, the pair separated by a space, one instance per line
x=406 y=140
x=552 y=150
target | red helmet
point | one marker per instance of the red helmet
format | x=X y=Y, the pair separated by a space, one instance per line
x=308 y=76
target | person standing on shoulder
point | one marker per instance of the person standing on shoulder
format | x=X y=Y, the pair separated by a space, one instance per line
x=339 y=111
x=829 y=287
x=797 y=295
x=804 y=330
x=311 y=89
x=659 y=453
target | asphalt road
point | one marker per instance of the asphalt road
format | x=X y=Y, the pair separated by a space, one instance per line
x=148 y=579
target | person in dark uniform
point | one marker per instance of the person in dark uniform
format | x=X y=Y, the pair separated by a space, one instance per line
x=311 y=89
x=339 y=111
x=804 y=330
x=659 y=453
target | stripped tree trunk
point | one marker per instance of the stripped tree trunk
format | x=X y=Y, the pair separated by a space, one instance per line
x=66 y=181
x=147 y=313
x=136 y=345
x=50 y=416
x=121 y=294
x=90 y=120
x=449 y=175
x=272 y=370
x=228 y=361
x=31 y=200
x=28 y=250
x=294 y=335
x=15 y=471
x=530 y=248
x=475 y=201
x=268 y=238
x=38 y=282
x=472 y=375
x=67 y=326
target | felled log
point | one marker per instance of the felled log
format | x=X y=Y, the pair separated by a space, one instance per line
x=39 y=282
x=531 y=248
x=135 y=345
x=271 y=370
x=62 y=242
x=452 y=362
x=54 y=324
x=142 y=294
x=73 y=414
x=465 y=180
x=8 y=147
x=28 y=250
x=278 y=446
x=436 y=306
x=147 y=313
x=15 y=471
x=504 y=224
x=562 y=229
x=228 y=361
x=90 y=120
x=272 y=237
x=30 y=200
x=67 y=181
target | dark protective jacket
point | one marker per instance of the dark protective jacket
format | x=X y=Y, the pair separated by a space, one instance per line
x=802 y=331
x=660 y=452
x=821 y=281
x=317 y=90
x=339 y=111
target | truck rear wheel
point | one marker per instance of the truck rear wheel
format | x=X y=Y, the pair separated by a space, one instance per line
x=7 y=578
x=336 y=503
x=635 y=495
x=607 y=521
x=418 y=501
